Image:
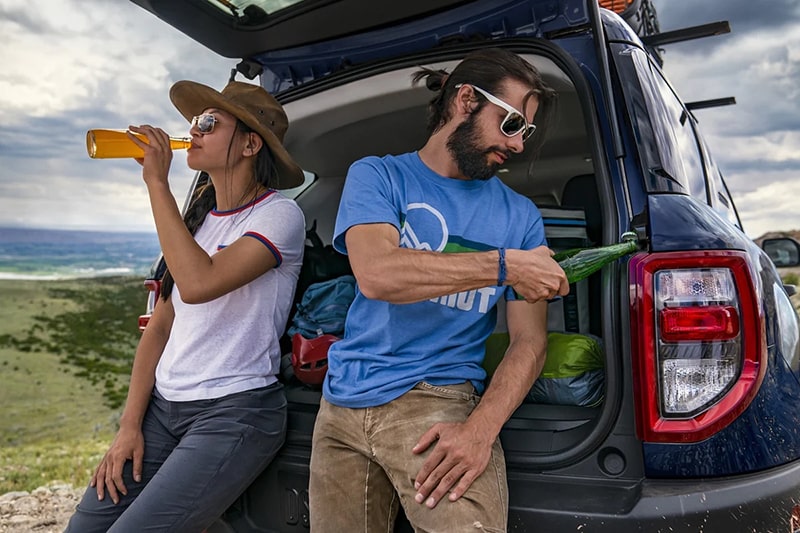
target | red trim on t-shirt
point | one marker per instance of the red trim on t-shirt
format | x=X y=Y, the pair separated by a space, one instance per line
x=248 y=205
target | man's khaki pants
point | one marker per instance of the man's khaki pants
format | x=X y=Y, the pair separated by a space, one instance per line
x=362 y=467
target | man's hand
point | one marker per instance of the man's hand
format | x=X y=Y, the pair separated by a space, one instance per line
x=460 y=454
x=535 y=275
x=128 y=444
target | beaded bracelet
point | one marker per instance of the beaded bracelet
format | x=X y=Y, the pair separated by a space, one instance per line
x=501 y=263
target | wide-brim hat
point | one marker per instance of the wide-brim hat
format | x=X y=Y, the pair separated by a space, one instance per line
x=252 y=105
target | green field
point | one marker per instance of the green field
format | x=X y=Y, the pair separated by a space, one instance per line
x=65 y=353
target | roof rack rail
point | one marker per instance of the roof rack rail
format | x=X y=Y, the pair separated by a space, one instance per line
x=687 y=34
x=714 y=102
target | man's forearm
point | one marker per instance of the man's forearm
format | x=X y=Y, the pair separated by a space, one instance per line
x=509 y=385
x=407 y=276
x=389 y=272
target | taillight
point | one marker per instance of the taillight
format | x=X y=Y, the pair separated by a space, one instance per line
x=698 y=342
x=154 y=287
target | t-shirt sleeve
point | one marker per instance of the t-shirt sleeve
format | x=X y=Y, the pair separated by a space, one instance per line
x=280 y=226
x=534 y=236
x=367 y=198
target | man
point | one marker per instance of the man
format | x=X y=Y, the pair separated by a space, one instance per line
x=435 y=240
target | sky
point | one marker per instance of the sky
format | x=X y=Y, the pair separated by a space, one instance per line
x=72 y=65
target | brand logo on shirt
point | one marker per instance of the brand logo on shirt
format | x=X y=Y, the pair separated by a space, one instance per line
x=426 y=229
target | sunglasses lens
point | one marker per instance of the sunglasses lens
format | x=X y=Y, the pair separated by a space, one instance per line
x=528 y=132
x=204 y=123
x=513 y=124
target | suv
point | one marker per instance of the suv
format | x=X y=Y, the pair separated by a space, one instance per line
x=699 y=427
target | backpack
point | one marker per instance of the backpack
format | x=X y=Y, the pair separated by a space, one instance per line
x=320 y=262
x=323 y=308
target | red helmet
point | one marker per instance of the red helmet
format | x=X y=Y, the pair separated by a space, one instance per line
x=310 y=357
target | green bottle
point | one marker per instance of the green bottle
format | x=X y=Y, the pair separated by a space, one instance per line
x=580 y=263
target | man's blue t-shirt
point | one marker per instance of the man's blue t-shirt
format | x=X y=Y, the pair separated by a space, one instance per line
x=388 y=348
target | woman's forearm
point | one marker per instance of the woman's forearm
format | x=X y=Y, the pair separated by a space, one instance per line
x=148 y=353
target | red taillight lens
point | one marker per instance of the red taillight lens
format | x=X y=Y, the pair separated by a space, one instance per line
x=154 y=288
x=698 y=337
x=710 y=323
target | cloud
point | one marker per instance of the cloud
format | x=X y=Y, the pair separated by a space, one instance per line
x=762 y=73
x=756 y=142
x=73 y=65
x=771 y=201
x=746 y=16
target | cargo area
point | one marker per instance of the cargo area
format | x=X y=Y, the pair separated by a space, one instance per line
x=384 y=114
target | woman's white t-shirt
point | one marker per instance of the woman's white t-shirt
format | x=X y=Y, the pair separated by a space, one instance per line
x=230 y=344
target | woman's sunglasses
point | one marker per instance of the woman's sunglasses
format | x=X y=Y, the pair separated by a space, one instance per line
x=205 y=122
x=514 y=123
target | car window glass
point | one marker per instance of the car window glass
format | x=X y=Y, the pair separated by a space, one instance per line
x=294 y=192
x=251 y=10
x=718 y=196
x=672 y=126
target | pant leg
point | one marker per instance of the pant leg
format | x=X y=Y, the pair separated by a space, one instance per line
x=92 y=515
x=397 y=426
x=225 y=444
x=348 y=490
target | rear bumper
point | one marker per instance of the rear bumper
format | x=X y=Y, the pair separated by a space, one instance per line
x=760 y=502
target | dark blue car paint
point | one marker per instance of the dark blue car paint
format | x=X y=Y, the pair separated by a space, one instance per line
x=284 y=69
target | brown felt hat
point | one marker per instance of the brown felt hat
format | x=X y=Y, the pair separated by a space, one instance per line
x=252 y=105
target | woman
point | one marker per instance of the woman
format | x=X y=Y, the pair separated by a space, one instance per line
x=205 y=413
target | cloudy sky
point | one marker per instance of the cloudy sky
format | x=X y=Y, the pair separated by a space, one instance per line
x=71 y=65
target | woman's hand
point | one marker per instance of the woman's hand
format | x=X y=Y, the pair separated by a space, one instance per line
x=127 y=445
x=157 y=154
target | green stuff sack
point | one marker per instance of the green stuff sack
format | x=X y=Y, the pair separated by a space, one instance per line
x=573 y=372
x=496 y=346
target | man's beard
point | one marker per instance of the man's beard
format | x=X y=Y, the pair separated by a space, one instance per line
x=464 y=146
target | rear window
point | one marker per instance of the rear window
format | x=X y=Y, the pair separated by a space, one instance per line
x=251 y=10
x=678 y=152
x=309 y=178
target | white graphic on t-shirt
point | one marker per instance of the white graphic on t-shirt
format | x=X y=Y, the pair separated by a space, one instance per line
x=432 y=235
x=409 y=237
x=465 y=301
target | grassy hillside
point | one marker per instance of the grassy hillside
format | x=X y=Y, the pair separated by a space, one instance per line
x=65 y=352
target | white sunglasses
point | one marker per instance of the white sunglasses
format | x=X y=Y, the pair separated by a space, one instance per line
x=514 y=123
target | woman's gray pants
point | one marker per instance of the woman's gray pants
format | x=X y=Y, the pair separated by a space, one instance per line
x=199 y=456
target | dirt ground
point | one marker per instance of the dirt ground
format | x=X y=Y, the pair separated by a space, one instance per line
x=44 y=510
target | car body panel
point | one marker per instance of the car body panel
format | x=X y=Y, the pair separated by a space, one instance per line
x=298 y=24
x=756 y=502
x=767 y=434
x=476 y=21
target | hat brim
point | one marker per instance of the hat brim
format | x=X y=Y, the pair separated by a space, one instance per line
x=192 y=98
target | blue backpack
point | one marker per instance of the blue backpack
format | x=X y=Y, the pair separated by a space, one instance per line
x=323 y=308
